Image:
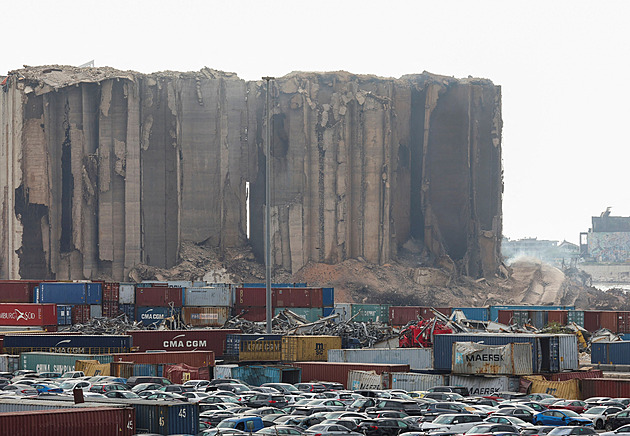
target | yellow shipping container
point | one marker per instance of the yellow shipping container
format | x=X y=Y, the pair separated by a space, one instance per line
x=308 y=348
x=569 y=389
x=260 y=350
x=92 y=367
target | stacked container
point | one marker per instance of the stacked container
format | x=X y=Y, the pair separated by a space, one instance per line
x=28 y=314
x=401 y=315
x=307 y=302
x=157 y=303
x=207 y=306
x=111 y=295
x=17 y=291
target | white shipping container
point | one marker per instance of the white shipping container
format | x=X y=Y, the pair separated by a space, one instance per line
x=366 y=380
x=206 y=316
x=479 y=385
x=9 y=363
x=96 y=311
x=411 y=381
x=344 y=310
x=416 y=358
x=214 y=296
x=475 y=358
x=223 y=371
x=126 y=293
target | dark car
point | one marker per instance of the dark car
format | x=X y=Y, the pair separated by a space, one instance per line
x=267 y=400
x=575 y=405
x=615 y=421
x=485 y=429
x=178 y=389
x=409 y=407
x=136 y=380
x=431 y=410
x=444 y=396
x=519 y=412
x=310 y=387
x=102 y=388
x=332 y=386
x=362 y=404
x=385 y=427
x=461 y=390
x=571 y=430
x=230 y=387
x=539 y=430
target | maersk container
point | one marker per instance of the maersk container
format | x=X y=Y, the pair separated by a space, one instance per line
x=206 y=316
x=61 y=293
x=509 y=359
x=166 y=417
x=308 y=348
x=127 y=293
x=414 y=382
x=311 y=314
x=475 y=313
x=550 y=352
x=216 y=296
x=155 y=315
x=256 y=375
x=479 y=386
x=28 y=314
x=58 y=362
x=370 y=313
x=59 y=343
x=254 y=347
x=95 y=421
x=328 y=297
x=416 y=358
x=494 y=310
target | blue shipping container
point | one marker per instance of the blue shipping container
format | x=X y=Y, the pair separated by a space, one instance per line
x=475 y=313
x=64 y=315
x=328 y=297
x=256 y=375
x=76 y=344
x=94 y=293
x=611 y=353
x=166 y=417
x=327 y=311
x=129 y=310
x=153 y=315
x=61 y=293
x=494 y=310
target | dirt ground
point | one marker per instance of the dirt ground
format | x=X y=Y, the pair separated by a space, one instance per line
x=404 y=282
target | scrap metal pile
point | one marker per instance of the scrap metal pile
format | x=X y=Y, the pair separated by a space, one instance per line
x=105 y=326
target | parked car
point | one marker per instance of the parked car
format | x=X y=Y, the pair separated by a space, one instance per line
x=166 y=396
x=198 y=385
x=511 y=420
x=47 y=389
x=621 y=431
x=122 y=394
x=71 y=384
x=281 y=430
x=310 y=387
x=409 y=407
x=617 y=420
x=73 y=374
x=284 y=388
x=537 y=430
x=495 y=429
x=102 y=388
x=249 y=424
x=385 y=427
x=136 y=380
x=599 y=414
x=575 y=405
x=539 y=397
x=461 y=390
x=572 y=430
x=444 y=396
x=560 y=418
x=330 y=429
x=178 y=389
x=269 y=400
x=524 y=413
x=452 y=422
x=145 y=387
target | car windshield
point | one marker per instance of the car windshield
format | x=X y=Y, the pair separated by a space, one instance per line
x=227 y=424
x=67 y=385
x=478 y=429
x=443 y=419
x=560 y=431
x=287 y=387
x=570 y=413
x=517 y=421
x=595 y=410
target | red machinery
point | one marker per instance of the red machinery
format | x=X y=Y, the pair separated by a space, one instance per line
x=420 y=334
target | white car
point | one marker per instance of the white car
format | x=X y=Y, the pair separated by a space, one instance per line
x=198 y=385
x=73 y=374
x=69 y=385
x=456 y=422
x=598 y=415
x=194 y=397
x=508 y=420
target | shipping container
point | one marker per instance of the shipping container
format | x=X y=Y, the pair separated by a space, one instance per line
x=67 y=293
x=111 y=292
x=370 y=313
x=413 y=382
x=52 y=402
x=254 y=347
x=558 y=316
x=159 y=297
x=485 y=385
x=623 y=322
x=366 y=380
x=509 y=359
x=494 y=310
x=190 y=358
x=308 y=348
x=181 y=340
x=17 y=291
x=338 y=372
x=9 y=363
x=539 y=318
x=605 y=387
x=215 y=296
x=25 y=314
x=224 y=371
x=576 y=316
x=581 y=375
x=550 y=352
x=416 y=358
x=475 y=313
x=57 y=362
x=250 y=297
x=328 y=297
x=206 y=316
x=256 y=375
x=344 y=310
x=166 y=417
x=310 y=314
x=328 y=311
x=94 y=293
x=111 y=309
x=155 y=315
x=126 y=293
x=297 y=297
x=599 y=319
x=507 y=317
x=81 y=344
x=129 y=310
x=96 y=311
x=251 y=313
x=181 y=373
x=520 y=317
x=401 y=315
x=275 y=285
x=80 y=314
x=611 y=353
x=64 y=315
x=99 y=421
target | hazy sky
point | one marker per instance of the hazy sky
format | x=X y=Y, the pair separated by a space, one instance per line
x=564 y=69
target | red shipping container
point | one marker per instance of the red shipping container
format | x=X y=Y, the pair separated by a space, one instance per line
x=17 y=291
x=80 y=313
x=248 y=297
x=297 y=297
x=426 y=313
x=338 y=372
x=24 y=314
x=254 y=314
x=609 y=321
x=563 y=376
x=159 y=296
x=181 y=340
x=190 y=358
x=111 y=291
x=623 y=322
x=181 y=373
x=401 y=315
x=96 y=421
x=559 y=316
x=605 y=387
x=111 y=309
x=505 y=317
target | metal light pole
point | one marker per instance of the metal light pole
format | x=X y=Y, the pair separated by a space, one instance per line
x=268 y=210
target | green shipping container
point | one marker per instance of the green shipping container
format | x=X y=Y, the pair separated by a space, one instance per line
x=370 y=312
x=311 y=314
x=576 y=316
x=58 y=362
x=520 y=317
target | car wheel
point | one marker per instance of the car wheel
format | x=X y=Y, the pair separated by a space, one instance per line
x=599 y=424
x=609 y=426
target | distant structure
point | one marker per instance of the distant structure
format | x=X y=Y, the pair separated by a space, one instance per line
x=552 y=252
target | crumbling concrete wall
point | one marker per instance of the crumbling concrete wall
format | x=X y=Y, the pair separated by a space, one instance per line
x=104 y=169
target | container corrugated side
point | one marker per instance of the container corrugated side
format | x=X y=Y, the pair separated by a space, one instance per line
x=494 y=310
x=181 y=340
x=224 y=371
x=370 y=313
x=479 y=386
x=71 y=344
x=126 y=293
x=416 y=358
x=344 y=310
x=576 y=316
x=9 y=363
x=568 y=353
x=17 y=291
x=328 y=297
x=410 y=381
x=190 y=358
x=308 y=348
x=61 y=293
x=206 y=316
x=365 y=380
x=256 y=375
x=96 y=311
x=605 y=387
x=581 y=375
x=102 y=421
x=166 y=417
x=475 y=313
x=260 y=348
x=311 y=314
x=208 y=296
x=599 y=353
x=57 y=362
x=509 y=359
x=338 y=372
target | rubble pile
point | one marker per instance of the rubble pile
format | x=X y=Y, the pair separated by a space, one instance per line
x=106 y=326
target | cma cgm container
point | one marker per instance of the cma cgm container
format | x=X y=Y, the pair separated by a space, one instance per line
x=181 y=340
x=206 y=316
x=216 y=296
x=308 y=348
x=17 y=291
x=160 y=296
x=81 y=344
x=68 y=293
x=338 y=372
x=24 y=314
x=416 y=358
x=155 y=315
x=97 y=421
x=550 y=352
x=254 y=348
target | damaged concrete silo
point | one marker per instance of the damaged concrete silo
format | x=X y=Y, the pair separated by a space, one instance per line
x=105 y=169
